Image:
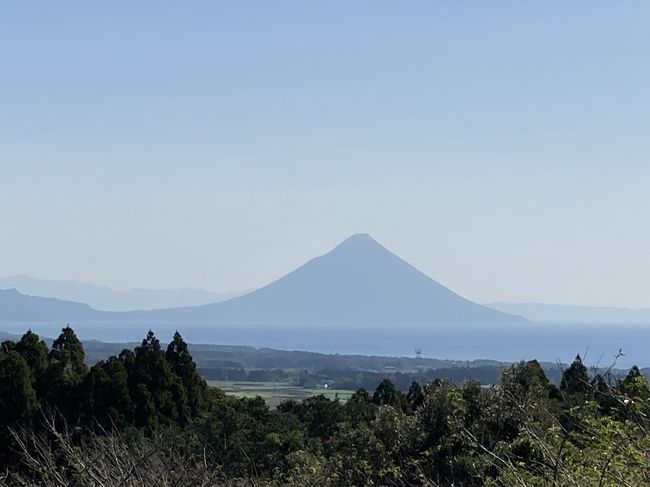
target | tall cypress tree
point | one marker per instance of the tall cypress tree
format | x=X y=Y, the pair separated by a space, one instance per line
x=604 y=394
x=106 y=394
x=575 y=379
x=18 y=398
x=387 y=394
x=18 y=402
x=530 y=376
x=415 y=396
x=359 y=407
x=34 y=351
x=635 y=385
x=183 y=365
x=159 y=396
x=68 y=350
x=65 y=371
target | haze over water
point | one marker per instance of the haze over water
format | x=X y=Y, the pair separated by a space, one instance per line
x=507 y=342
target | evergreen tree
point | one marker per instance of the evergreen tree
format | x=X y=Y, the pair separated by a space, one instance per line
x=65 y=371
x=635 y=385
x=359 y=407
x=288 y=406
x=527 y=376
x=575 y=379
x=439 y=405
x=106 y=394
x=68 y=350
x=18 y=400
x=158 y=395
x=604 y=394
x=182 y=364
x=387 y=394
x=415 y=396
x=320 y=414
x=34 y=351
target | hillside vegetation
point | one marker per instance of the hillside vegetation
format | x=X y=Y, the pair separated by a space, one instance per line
x=146 y=417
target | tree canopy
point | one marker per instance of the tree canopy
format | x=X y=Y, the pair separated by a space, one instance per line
x=149 y=406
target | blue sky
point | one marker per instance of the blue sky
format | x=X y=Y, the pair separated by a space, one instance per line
x=501 y=147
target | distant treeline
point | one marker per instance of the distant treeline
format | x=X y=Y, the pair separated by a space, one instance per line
x=146 y=417
x=243 y=363
x=249 y=358
x=353 y=380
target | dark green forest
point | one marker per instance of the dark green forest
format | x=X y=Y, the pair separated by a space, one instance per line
x=147 y=417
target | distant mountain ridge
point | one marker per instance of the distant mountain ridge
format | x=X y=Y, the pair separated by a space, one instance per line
x=561 y=313
x=15 y=306
x=357 y=283
x=106 y=299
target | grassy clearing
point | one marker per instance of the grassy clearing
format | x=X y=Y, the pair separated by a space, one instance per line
x=276 y=392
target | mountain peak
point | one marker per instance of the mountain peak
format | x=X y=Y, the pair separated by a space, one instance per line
x=360 y=282
x=359 y=241
x=361 y=236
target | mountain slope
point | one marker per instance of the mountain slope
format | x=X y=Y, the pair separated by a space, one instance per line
x=19 y=307
x=358 y=282
x=559 y=313
x=105 y=298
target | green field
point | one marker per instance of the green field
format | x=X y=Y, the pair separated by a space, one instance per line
x=276 y=392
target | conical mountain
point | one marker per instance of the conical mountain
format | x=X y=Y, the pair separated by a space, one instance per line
x=358 y=282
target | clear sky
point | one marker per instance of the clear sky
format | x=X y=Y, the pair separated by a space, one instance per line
x=501 y=147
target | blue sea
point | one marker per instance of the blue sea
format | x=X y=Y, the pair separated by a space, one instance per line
x=597 y=343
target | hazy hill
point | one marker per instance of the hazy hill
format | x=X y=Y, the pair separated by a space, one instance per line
x=359 y=282
x=558 y=313
x=107 y=299
x=15 y=306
